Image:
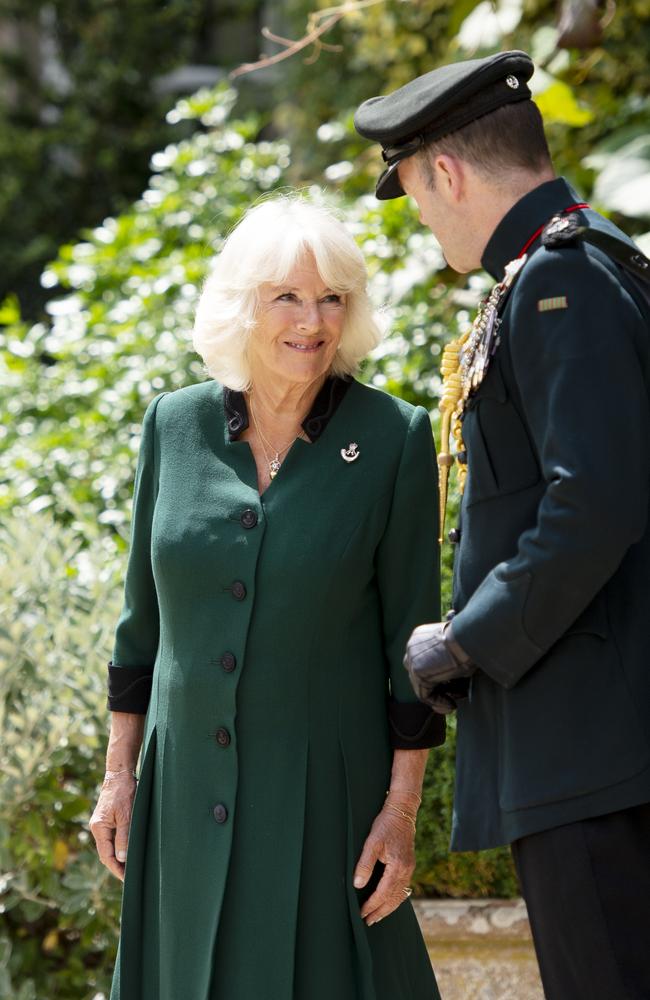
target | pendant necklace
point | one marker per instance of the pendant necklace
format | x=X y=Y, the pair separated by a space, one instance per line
x=274 y=464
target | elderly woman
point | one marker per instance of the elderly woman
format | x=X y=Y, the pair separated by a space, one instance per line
x=283 y=549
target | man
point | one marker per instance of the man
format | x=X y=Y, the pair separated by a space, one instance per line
x=550 y=635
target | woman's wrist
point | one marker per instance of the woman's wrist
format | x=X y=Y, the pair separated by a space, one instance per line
x=410 y=798
x=121 y=772
x=406 y=816
x=124 y=741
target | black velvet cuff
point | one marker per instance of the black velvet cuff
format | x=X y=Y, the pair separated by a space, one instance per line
x=129 y=689
x=413 y=726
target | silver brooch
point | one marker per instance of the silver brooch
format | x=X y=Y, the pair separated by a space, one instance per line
x=512 y=81
x=351 y=453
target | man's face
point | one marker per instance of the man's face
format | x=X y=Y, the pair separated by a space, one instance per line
x=417 y=188
x=441 y=214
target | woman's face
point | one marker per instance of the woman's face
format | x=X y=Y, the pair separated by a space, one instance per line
x=298 y=329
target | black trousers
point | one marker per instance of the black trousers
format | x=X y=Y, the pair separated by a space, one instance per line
x=587 y=889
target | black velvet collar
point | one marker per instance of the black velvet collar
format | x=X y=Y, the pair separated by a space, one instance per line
x=516 y=227
x=325 y=406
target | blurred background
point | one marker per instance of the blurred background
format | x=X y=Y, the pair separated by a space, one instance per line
x=128 y=149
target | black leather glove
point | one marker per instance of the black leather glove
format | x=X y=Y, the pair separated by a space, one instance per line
x=433 y=661
x=444 y=698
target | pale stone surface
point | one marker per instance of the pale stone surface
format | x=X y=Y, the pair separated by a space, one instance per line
x=480 y=949
x=467 y=918
x=486 y=970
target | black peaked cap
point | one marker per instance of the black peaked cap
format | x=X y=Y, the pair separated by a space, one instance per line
x=438 y=103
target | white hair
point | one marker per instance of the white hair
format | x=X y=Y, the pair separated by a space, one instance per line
x=263 y=248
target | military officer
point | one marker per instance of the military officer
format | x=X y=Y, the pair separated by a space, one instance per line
x=546 y=402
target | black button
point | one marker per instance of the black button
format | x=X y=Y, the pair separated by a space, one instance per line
x=222 y=737
x=220 y=813
x=228 y=662
x=238 y=590
x=249 y=518
x=454 y=536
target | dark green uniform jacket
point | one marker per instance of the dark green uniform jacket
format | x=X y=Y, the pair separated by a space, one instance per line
x=275 y=629
x=552 y=573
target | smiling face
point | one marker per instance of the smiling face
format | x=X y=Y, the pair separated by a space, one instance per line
x=298 y=327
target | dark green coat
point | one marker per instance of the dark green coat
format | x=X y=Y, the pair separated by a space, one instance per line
x=277 y=626
x=552 y=574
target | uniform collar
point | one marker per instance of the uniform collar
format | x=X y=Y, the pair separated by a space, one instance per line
x=323 y=409
x=518 y=225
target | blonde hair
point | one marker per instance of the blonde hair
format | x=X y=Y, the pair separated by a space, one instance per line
x=263 y=248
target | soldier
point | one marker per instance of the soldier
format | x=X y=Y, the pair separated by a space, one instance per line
x=547 y=654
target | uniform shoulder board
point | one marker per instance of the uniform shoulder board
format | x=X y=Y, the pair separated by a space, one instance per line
x=568 y=230
x=562 y=231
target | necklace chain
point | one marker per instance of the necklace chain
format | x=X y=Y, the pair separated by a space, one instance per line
x=273 y=463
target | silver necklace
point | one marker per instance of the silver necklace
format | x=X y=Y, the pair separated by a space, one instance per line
x=274 y=464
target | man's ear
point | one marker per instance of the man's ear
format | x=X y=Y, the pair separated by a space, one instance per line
x=450 y=176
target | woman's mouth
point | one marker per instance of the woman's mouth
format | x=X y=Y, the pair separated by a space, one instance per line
x=305 y=348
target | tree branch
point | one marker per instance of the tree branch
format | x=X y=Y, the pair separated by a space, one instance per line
x=318 y=23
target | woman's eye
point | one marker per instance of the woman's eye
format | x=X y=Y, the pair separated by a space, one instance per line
x=287 y=297
x=333 y=297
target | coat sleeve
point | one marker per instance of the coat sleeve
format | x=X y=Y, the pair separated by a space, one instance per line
x=580 y=374
x=136 y=638
x=408 y=573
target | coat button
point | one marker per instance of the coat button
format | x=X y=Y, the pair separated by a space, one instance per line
x=228 y=662
x=454 y=536
x=220 y=813
x=249 y=518
x=222 y=737
x=238 y=590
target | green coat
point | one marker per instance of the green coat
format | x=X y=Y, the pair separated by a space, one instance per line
x=552 y=574
x=277 y=626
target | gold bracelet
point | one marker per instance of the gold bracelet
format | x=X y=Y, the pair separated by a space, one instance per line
x=400 y=812
x=125 y=770
x=403 y=791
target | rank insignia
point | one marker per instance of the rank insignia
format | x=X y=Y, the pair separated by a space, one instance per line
x=548 y=305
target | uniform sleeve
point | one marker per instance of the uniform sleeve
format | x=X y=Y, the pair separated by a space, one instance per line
x=580 y=374
x=136 y=637
x=408 y=571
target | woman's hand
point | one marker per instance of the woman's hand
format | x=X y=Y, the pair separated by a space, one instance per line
x=109 y=824
x=391 y=841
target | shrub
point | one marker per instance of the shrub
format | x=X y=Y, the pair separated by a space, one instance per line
x=59 y=906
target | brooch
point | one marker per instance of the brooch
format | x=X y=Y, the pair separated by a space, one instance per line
x=351 y=453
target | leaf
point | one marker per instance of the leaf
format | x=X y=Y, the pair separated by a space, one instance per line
x=558 y=105
x=10 y=310
x=60 y=855
x=623 y=184
x=51 y=941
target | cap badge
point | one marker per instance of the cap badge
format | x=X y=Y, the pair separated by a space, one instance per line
x=351 y=453
x=512 y=82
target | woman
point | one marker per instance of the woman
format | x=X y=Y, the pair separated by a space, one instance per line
x=283 y=548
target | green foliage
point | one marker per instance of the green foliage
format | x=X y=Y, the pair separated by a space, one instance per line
x=58 y=906
x=73 y=389
x=587 y=96
x=73 y=394
x=79 y=118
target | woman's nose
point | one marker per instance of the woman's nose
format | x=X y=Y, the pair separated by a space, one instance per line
x=309 y=318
